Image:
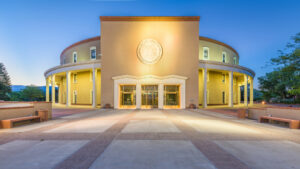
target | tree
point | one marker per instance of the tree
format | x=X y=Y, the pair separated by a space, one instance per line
x=284 y=81
x=5 y=87
x=32 y=93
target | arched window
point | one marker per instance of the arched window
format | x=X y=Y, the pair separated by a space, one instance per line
x=205 y=53
x=93 y=52
x=234 y=60
x=74 y=57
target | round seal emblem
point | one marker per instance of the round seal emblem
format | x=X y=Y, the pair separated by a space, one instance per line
x=149 y=51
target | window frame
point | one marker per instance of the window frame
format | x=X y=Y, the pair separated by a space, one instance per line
x=206 y=48
x=75 y=78
x=93 y=48
x=234 y=60
x=74 y=57
x=224 y=57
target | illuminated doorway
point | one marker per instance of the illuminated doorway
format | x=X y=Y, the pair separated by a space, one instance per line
x=127 y=96
x=149 y=96
x=171 y=96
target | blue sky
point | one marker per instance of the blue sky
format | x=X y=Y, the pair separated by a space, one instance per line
x=33 y=33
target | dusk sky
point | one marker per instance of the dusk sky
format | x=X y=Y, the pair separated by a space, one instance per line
x=33 y=33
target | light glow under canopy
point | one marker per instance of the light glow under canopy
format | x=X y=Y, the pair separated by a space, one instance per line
x=149 y=51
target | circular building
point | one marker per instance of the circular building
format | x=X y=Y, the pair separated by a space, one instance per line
x=150 y=62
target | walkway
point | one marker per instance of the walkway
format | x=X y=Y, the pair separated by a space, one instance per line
x=149 y=139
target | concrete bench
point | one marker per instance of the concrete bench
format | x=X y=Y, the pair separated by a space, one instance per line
x=293 y=124
x=8 y=123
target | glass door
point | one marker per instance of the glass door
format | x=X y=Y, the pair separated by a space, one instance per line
x=127 y=96
x=149 y=96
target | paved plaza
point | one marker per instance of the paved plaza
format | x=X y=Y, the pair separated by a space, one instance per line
x=149 y=139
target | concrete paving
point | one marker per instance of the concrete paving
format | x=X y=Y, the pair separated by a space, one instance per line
x=36 y=154
x=152 y=126
x=265 y=154
x=146 y=154
x=149 y=139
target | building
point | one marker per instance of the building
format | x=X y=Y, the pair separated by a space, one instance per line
x=150 y=62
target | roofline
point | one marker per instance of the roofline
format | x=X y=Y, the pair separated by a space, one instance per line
x=149 y=18
x=80 y=42
x=98 y=38
x=219 y=43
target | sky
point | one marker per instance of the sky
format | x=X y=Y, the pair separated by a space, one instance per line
x=33 y=33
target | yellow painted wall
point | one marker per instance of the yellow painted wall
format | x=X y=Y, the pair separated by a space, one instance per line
x=83 y=86
x=215 y=52
x=215 y=87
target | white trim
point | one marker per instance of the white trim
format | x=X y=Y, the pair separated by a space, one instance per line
x=149 y=79
x=93 y=48
x=206 y=48
x=225 y=66
x=72 y=67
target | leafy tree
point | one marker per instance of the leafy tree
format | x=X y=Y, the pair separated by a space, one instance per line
x=284 y=81
x=32 y=93
x=5 y=87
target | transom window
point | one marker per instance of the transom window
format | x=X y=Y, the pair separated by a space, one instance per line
x=205 y=53
x=74 y=57
x=93 y=52
x=223 y=57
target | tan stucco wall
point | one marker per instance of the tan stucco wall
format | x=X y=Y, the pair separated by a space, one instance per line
x=83 y=52
x=180 y=43
x=215 y=52
x=281 y=112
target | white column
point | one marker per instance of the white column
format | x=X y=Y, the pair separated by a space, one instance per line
x=53 y=88
x=251 y=91
x=204 y=72
x=230 y=100
x=94 y=88
x=68 y=86
x=246 y=90
x=47 y=89
x=161 y=96
x=138 y=95
x=59 y=92
x=239 y=95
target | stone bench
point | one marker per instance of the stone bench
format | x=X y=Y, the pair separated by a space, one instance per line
x=293 y=124
x=8 y=123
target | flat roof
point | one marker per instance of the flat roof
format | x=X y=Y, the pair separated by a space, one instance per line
x=149 y=18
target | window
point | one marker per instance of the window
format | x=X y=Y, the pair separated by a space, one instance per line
x=93 y=52
x=234 y=60
x=171 y=95
x=74 y=57
x=127 y=95
x=223 y=78
x=75 y=78
x=205 y=53
x=74 y=97
x=223 y=97
x=64 y=60
x=223 y=57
